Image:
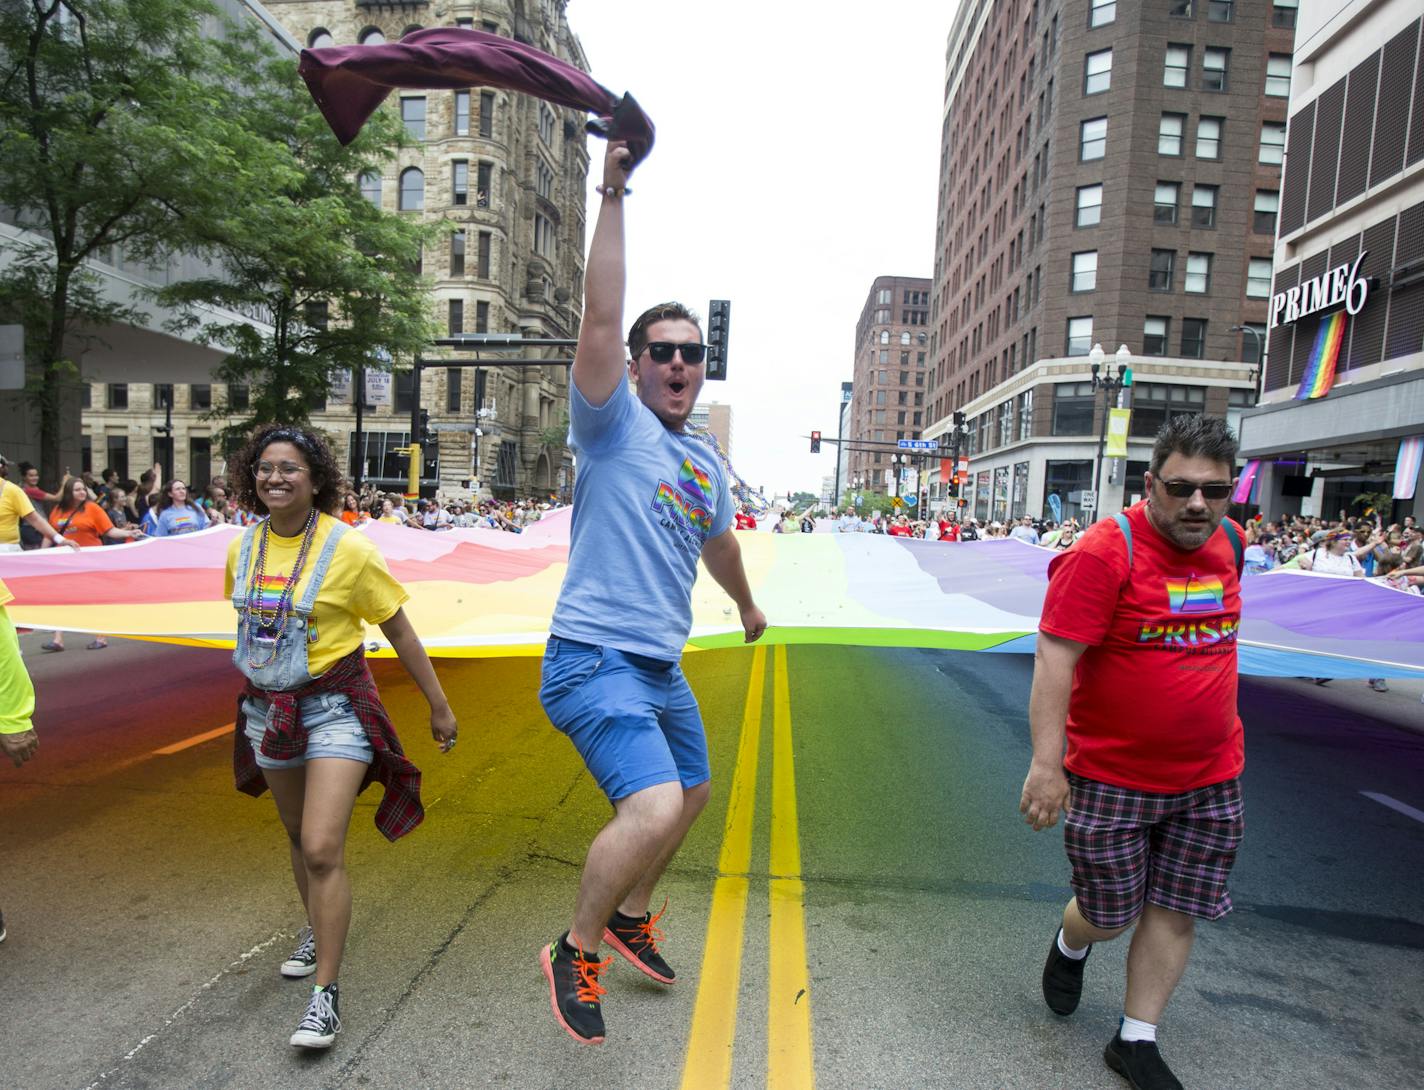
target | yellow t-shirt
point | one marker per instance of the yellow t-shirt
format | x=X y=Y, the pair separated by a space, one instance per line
x=14 y=505
x=358 y=589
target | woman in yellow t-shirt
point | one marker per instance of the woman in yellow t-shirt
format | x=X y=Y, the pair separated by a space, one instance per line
x=311 y=726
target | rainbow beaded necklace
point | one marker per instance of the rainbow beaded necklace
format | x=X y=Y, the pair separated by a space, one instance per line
x=272 y=624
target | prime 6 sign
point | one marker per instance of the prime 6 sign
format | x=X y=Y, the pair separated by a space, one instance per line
x=1329 y=289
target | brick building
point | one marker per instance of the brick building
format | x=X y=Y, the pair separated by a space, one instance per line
x=1109 y=174
x=888 y=383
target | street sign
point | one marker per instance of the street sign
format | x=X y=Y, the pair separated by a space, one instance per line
x=898 y=502
x=1089 y=501
x=918 y=444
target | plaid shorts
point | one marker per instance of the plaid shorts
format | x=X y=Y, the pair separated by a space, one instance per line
x=1128 y=847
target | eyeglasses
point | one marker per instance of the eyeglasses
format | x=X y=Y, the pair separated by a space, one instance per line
x=693 y=353
x=265 y=471
x=1184 y=490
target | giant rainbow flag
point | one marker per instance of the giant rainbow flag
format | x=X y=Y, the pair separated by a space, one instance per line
x=480 y=593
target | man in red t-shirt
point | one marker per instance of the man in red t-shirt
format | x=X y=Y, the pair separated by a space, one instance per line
x=744 y=519
x=948 y=531
x=1136 y=672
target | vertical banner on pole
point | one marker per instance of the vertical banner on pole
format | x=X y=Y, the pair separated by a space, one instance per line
x=1118 y=420
x=1406 y=466
x=1246 y=484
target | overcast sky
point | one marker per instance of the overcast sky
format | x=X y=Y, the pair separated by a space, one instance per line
x=796 y=160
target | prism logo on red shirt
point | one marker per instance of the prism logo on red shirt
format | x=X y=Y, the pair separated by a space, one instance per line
x=1193 y=595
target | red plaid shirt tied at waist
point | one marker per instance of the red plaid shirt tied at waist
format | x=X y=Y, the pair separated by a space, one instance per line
x=400 y=811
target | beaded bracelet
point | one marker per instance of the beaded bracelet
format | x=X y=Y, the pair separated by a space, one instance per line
x=612 y=191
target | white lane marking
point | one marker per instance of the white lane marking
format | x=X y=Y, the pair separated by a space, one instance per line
x=196 y=740
x=259 y=948
x=1394 y=804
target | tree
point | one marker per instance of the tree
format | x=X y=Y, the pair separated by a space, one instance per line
x=106 y=142
x=336 y=278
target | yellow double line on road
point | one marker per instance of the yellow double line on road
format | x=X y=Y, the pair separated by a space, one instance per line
x=789 y=1062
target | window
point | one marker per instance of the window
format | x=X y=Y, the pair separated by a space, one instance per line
x=1258 y=278
x=1214 y=68
x=453 y=376
x=457 y=253
x=1252 y=347
x=487 y=114
x=370 y=184
x=1160 y=277
x=163 y=395
x=1176 y=66
x=1169 y=134
x=1273 y=142
x=412 y=190
x=1220 y=11
x=1073 y=408
x=1097 y=72
x=1092 y=138
x=1085 y=271
x=320 y=38
x=546 y=125
x=1165 y=201
x=1080 y=336
x=1204 y=206
x=482 y=255
x=1198 y=279
x=1278 y=75
x=117 y=395
x=371 y=36
x=413 y=114
x=1180 y=9
x=462 y=113
x=457 y=316
x=1101 y=12
x=200 y=396
x=1194 y=338
x=1025 y=414
x=543 y=236
x=543 y=180
x=1090 y=206
x=465 y=22
x=1154 y=335
x=238 y=397
x=1209 y=137
x=484 y=184
x=117 y=447
x=489 y=27
x=1154 y=403
x=1283 y=12
x=481 y=317
x=460 y=182
x=1264 y=221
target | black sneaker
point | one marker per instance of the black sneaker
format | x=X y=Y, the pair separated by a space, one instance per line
x=303 y=959
x=574 y=990
x=637 y=940
x=1140 y=1064
x=1063 y=979
x=322 y=1021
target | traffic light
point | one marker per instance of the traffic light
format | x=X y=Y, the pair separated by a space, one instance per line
x=815 y=442
x=719 y=321
x=426 y=438
x=952 y=489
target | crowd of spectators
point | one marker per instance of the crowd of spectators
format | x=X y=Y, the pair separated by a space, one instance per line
x=441 y=512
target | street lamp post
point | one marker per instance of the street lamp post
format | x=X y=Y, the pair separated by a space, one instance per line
x=1260 y=358
x=1110 y=384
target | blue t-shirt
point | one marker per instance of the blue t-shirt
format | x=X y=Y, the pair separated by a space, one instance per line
x=646 y=500
x=176 y=520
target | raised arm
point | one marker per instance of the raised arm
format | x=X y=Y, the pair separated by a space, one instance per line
x=600 y=359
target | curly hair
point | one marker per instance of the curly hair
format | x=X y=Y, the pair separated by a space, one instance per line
x=328 y=484
x=663 y=312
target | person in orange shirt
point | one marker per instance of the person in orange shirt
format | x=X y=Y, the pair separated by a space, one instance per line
x=82 y=522
x=351 y=510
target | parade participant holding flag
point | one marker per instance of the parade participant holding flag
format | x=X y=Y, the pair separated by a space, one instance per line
x=649 y=500
x=310 y=722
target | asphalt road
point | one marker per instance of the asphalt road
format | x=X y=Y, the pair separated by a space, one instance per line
x=873 y=828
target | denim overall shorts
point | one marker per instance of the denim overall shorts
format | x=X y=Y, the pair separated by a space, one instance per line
x=333 y=730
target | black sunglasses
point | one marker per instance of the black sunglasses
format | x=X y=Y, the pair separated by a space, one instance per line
x=1183 y=490
x=663 y=351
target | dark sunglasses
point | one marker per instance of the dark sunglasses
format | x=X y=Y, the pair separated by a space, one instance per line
x=662 y=352
x=1183 y=490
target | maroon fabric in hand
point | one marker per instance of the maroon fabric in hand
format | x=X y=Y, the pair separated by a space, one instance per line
x=349 y=82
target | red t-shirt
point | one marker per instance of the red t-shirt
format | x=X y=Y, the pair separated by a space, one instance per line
x=1154 y=697
x=948 y=531
x=896 y=530
x=745 y=521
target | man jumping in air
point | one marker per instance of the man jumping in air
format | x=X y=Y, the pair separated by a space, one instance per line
x=649 y=500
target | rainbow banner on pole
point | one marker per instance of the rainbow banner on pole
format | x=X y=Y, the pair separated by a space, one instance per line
x=1246 y=485
x=1319 y=374
x=1406 y=467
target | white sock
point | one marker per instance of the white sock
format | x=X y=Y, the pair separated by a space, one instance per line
x=1133 y=1030
x=1068 y=951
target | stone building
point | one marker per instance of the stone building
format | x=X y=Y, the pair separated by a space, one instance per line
x=505 y=175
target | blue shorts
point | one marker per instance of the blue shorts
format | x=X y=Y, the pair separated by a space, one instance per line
x=332 y=730
x=633 y=719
